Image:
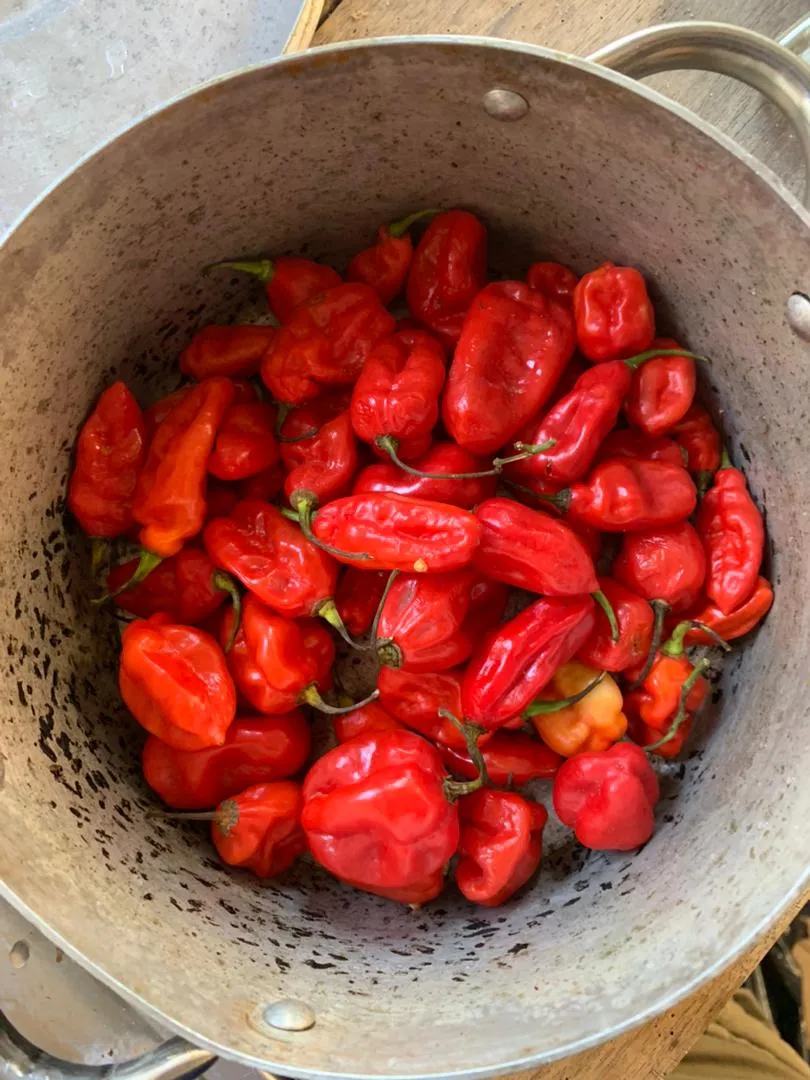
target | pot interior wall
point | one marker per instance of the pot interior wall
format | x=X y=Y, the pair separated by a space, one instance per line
x=103 y=280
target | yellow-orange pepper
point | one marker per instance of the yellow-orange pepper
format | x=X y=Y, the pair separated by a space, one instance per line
x=594 y=723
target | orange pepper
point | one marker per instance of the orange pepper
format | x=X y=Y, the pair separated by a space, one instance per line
x=594 y=723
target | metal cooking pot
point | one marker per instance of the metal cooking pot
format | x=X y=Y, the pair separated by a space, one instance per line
x=102 y=280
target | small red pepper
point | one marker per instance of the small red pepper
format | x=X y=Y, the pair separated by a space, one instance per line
x=358 y=596
x=700 y=439
x=364 y=720
x=385 y=265
x=632 y=443
x=175 y=682
x=501 y=845
x=517 y=660
x=449 y=267
x=736 y=623
x=553 y=280
x=325 y=342
x=662 y=390
x=510 y=758
x=187 y=587
x=324 y=467
x=246 y=442
x=235 y=351
x=511 y=352
x=460 y=488
x=635 y=618
x=289 y=281
x=608 y=797
x=256 y=750
x=731 y=528
x=416 y=699
x=109 y=454
x=662 y=564
x=613 y=313
x=260 y=829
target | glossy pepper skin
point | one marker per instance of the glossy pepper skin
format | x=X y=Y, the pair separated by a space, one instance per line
x=110 y=451
x=630 y=495
x=364 y=721
x=697 y=436
x=358 y=596
x=608 y=798
x=184 y=587
x=376 y=815
x=635 y=618
x=272 y=558
x=554 y=281
x=517 y=660
x=385 y=265
x=302 y=425
x=593 y=723
x=442 y=457
x=234 y=351
x=736 y=623
x=399 y=533
x=246 y=442
x=289 y=281
x=324 y=466
x=274 y=660
x=256 y=750
x=532 y=551
x=501 y=844
x=325 y=342
x=730 y=526
x=632 y=443
x=244 y=393
x=175 y=682
x=662 y=564
x=662 y=391
x=259 y=829
x=510 y=758
x=415 y=698
x=449 y=267
x=170 y=495
x=613 y=313
x=397 y=394
x=512 y=350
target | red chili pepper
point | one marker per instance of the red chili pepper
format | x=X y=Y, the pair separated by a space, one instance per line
x=358 y=596
x=510 y=758
x=259 y=829
x=363 y=721
x=264 y=486
x=395 y=404
x=257 y=749
x=301 y=425
x=389 y=532
x=501 y=845
x=415 y=699
x=246 y=442
x=662 y=564
x=324 y=469
x=512 y=350
x=244 y=393
x=226 y=350
x=385 y=265
x=459 y=489
x=613 y=313
x=631 y=443
x=700 y=439
x=289 y=281
x=325 y=342
x=608 y=797
x=737 y=622
x=187 y=587
x=662 y=390
x=635 y=618
x=175 y=682
x=553 y=280
x=170 y=494
x=449 y=267
x=731 y=528
x=515 y=662
x=109 y=454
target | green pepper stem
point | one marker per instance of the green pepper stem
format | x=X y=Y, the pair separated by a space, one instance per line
x=543 y=708
x=327 y=610
x=525 y=450
x=680 y=716
x=310 y=433
x=454 y=789
x=99 y=554
x=283 y=410
x=147 y=562
x=725 y=460
x=703 y=481
x=610 y=614
x=399 y=228
x=660 y=609
x=375 y=625
x=391 y=446
x=225 y=583
x=263 y=269
x=675 y=646
x=311 y=696
x=304 y=504
x=635 y=361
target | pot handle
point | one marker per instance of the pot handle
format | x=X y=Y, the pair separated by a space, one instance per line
x=175 y=1059
x=728 y=50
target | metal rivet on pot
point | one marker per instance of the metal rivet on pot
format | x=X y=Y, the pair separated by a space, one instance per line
x=504 y=104
x=798 y=315
x=18 y=954
x=289 y=1015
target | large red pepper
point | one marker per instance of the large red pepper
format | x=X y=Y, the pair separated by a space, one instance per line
x=260 y=829
x=730 y=526
x=635 y=619
x=662 y=390
x=460 y=488
x=175 y=682
x=512 y=350
x=510 y=758
x=553 y=280
x=390 y=532
x=364 y=720
x=395 y=404
x=662 y=564
x=608 y=798
x=324 y=468
x=109 y=454
x=289 y=281
x=358 y=596
x=246 y=442
x=325 y=342
x=517 y=660
x=170 y=494
x=501 y=844
x=614 y=316
x=235 y=351
x=700 y=439
x=632 y=443
x=416 y=700
x=256 y=749
x=385 y=265
x=449 y=267
x=736 y=623
x=300 y=426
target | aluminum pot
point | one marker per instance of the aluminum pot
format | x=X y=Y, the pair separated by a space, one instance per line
x=102 y=280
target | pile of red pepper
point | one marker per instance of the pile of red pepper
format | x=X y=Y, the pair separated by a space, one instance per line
x=508 y=496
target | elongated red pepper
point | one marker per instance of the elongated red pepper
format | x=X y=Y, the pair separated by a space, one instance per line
x=301 y=426
x=385 y=265
x=244 y=393
x=662 y=564
x=363 y=721
x=459 y=489
x=324 y=469
x=696 y=434
x=662 y=391
x=632 y=443
x=395 y=404
x=260 y=829
x=325 y=342
x=256 y=750
x=511 y=352
x=389 y=532
x=246 y=442
x=515 y=662
x=730 y=526
x=289 y=281
x=235 y=351
x=416 y=699
x=170 y=494
x=510 y=758
x=737 y=623
x=501 y=845
x=109 y=454
x=358 y=596
x=614 y=316
x=635 y=618
x=449 y=267
x=175 y=682
x=553 y=280
x=608 y=797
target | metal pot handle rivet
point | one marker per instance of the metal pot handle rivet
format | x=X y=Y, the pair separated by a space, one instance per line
x=289 y=1015
x=728 y=50
x=503 y=104
x=798 y=315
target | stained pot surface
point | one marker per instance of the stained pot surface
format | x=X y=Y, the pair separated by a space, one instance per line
x=102 y=280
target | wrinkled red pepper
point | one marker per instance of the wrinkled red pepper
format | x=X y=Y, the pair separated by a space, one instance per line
x=187 y=587
x=259 y=829
x=662 y=564
x=244 y=393
x=662 y=391
x=415 y=699
x=553 y=280
x=300 y=426
x=632 y=443
x=324 y=467
x=385 y=265
x=245 y=443
x=358 y=596
x=736 y=623
x=364 y=720
x=635 y=618
x=501 y=845
x=613 y=313
x=700 y=439
x=289 y=281
x=235 y=351
x=731 y=528
x=510 y=758
x=459 y=489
